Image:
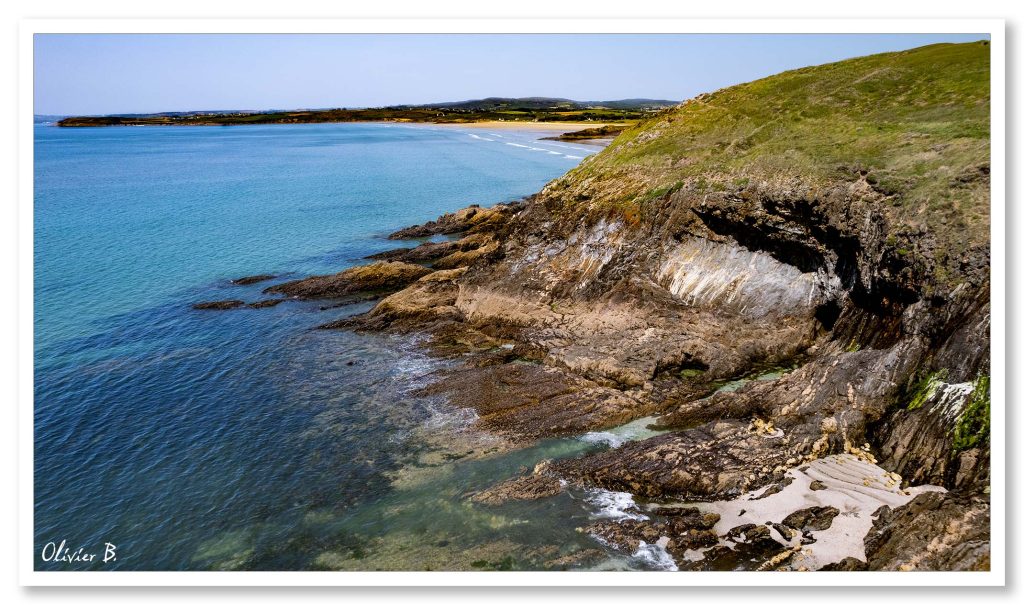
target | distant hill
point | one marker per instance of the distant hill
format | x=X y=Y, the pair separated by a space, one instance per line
x=541 y=103
x=526 y=109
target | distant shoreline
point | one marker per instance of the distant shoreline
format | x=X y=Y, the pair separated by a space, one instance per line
x=559 y=128
x=493 y=110
x=487 y=123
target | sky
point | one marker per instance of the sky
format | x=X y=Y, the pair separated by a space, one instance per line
x=95 y=74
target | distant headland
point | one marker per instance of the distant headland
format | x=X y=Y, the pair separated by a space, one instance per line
x=496 y=109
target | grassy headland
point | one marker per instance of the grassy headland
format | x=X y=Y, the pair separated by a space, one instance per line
x=913 y=124
x=484 y=110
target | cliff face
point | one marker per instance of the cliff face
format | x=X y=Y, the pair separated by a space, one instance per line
x=829 y=223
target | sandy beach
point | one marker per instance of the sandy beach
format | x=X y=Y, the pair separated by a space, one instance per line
x=549 y=126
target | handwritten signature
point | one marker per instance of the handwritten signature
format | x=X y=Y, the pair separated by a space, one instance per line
x=60 y=553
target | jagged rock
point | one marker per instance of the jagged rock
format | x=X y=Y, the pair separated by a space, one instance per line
x=465 y=258
x=847 y=564
x=218 y=305
x=934 y=531
x=474 y=218
x=376 y=277
x=428 y=300
x=716 y=461
x=530 y=487
x=813 y=518
x=601 y=132
x=638 y=284
x=690 y=517
x=576 y=559
x=785 y=531
x=252 y=279
x=526 y=401
x=262 y=304
x=432 y=251
x=627 y=534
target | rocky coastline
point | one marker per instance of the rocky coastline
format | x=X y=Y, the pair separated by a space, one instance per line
x=815 y=352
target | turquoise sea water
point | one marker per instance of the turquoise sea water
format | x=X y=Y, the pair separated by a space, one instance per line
x=245 y=439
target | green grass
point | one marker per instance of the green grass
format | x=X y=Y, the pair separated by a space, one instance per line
x=925 y=388
x=915 y=124
x=974 y=425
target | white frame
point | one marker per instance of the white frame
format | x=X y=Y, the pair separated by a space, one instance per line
x=29 y=577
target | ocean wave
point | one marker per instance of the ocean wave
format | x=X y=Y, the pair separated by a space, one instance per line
x=655 y=556
x=610 y=439
x=613 y=505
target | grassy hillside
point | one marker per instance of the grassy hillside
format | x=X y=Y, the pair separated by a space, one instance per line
x=917 y=122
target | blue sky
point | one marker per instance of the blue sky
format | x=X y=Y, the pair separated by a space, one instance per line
x=124 y=73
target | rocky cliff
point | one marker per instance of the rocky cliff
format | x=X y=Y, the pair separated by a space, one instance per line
x=824 y=231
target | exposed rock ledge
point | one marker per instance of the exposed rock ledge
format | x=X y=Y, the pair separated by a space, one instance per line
x=717 y=241
x=600 y=323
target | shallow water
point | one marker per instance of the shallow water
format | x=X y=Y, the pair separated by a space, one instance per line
x=245 y=439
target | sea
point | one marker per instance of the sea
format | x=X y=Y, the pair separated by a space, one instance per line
x=168 y=438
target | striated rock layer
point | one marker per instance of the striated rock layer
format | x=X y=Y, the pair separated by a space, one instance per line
x=722 y=239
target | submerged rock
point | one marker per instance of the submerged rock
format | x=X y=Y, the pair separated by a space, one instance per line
x=530 y=487
x=262 y=304
x=218 y=305
x=252 y=279
x=375 y=277
x=576 y=559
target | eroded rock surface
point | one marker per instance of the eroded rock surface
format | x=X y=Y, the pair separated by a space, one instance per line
x=218 y=305
x=376 y=277
x=470 y=219
x=634 y=287
x=252 y=279
x=933 y=532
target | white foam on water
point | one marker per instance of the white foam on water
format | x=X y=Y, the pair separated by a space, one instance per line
x=605 y=437
x=573 y=157
x=565 y=146
x=441 y=415
x=631 y=431
x=518 y=145
x=655 y=556
x=414 y=367
x=617 y=506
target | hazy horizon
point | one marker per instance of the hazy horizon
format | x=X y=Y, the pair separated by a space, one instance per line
x=97 y=74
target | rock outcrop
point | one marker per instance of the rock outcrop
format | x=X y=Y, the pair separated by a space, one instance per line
x=733 y=235
x=252 y=279
x=375 y=278
x=472 y=219
x=218 y=305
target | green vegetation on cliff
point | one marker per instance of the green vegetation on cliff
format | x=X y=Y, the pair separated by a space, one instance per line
x=913 y=124
x=975 y=422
